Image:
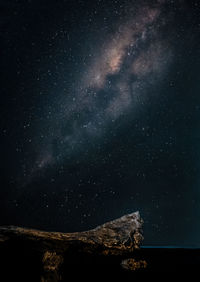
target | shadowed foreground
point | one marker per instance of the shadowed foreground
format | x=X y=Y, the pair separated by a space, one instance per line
x=111 y=249
x=50 y=256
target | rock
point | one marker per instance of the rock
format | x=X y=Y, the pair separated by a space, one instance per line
x=51 y=264
x=117 y=238
x=132 y=264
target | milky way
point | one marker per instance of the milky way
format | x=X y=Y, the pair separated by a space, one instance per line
x=100 y=115
x=114 y=84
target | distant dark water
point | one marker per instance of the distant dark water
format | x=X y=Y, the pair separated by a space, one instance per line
x=171 y=247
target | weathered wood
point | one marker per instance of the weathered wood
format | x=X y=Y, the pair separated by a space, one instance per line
x=119 y=237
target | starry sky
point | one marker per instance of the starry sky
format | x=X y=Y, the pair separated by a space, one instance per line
x=100 y=115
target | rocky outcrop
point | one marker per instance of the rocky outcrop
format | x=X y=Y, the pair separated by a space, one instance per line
x=117 y=238
x=132 y=264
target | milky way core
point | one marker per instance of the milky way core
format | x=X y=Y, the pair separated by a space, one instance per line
x=117 y=79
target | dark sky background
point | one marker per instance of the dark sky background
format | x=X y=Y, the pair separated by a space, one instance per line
x=100 y=115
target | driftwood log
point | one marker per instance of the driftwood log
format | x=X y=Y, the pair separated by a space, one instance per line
x=55 y=250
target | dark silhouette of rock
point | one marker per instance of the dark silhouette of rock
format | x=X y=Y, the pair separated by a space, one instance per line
x=53 y=252
x=132 y=264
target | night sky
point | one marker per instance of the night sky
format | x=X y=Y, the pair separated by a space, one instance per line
x=100 y=115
